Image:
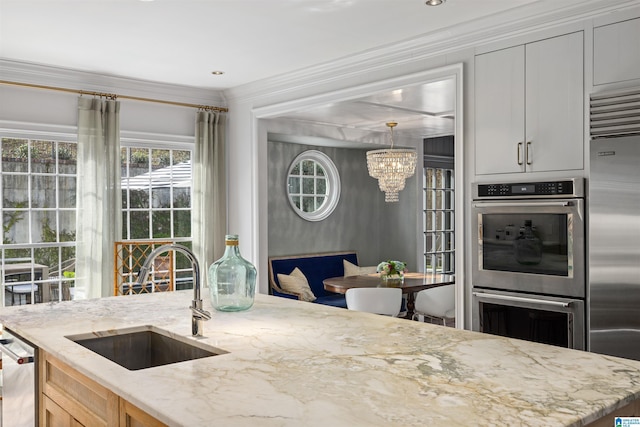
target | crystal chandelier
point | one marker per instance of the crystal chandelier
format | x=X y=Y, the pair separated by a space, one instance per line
x=391 y=167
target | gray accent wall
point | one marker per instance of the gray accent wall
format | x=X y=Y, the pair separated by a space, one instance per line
x=362 y=221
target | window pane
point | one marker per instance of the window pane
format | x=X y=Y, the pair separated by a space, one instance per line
x=307 y=186
x=319 y=202
x=43 y=191
x=15 y=154
x=296 y=169
x=307 y=204
x=296 y=201
x=294 y=185
x=16 y=227
x=180 y=156
x=160 y=158
x=43 y=157
x=182 y=223
x=43 y=224
x=67 y=226
x=139 y=158
x=182 y=197
x=321 y=186
x=161 y=224
x=67 y=192
x=15 y=191
x=139 y=199
x=17 y=255
x=67 y=157
x=139 y=226
x=161 y=197
x=307 y=167
x=47 y=256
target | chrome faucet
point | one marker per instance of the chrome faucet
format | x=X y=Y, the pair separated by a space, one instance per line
x=198 y=314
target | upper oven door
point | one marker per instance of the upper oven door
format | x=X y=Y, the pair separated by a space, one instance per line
x=534 y=246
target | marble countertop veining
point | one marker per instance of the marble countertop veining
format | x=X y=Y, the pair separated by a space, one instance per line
x=292 y=363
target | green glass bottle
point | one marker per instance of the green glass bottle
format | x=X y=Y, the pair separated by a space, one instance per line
x=232 y=279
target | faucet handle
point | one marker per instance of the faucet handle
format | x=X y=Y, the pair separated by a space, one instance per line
x=200 y=313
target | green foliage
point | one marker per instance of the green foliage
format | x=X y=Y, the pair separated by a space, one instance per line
x=50 y=256
x=10 y=219
x=139 y=156
x=65 y=154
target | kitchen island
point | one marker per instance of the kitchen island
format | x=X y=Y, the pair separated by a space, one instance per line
x=291 y=363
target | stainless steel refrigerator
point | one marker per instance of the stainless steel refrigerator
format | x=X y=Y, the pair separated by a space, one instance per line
x=614 y=247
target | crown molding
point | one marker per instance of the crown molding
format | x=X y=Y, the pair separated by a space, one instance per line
x=30 y=73
x=410 y=55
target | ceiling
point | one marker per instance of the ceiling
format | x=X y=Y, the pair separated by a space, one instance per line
x=182 y=41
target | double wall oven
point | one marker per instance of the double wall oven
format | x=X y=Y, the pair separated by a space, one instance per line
x=529 y=261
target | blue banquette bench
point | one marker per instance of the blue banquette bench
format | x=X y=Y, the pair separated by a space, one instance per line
x=316 y=268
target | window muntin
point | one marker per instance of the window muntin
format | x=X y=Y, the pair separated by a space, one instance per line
x=156 y=198
x=439 y=235
x=313 y=185
x=38 y=204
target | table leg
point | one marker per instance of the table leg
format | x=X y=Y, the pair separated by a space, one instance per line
x=411 y=305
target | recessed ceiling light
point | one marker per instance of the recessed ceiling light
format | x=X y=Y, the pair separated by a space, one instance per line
x=434 y=2
x=217 y=73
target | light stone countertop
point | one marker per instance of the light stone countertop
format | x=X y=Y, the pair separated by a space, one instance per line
x=293 y=363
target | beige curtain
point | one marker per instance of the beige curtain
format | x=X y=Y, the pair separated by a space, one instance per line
x=99 y=217
x=209 y=218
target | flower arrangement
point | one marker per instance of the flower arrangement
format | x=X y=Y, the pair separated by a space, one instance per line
x=391 y=268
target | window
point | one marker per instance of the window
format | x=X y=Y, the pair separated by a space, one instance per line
x=439 y=220
x=38 y=181
x=313 y=185
x=156 y=198
x=439 y=212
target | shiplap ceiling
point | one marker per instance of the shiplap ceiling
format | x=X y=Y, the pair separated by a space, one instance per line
x=183 y=41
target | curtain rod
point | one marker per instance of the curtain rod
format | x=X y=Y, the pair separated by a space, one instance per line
x=114 y=96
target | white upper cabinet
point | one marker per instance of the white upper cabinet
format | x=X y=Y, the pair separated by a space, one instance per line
x=616 y=52
x=529 y=107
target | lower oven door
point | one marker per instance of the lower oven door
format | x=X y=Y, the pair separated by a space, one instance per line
x=539 y=318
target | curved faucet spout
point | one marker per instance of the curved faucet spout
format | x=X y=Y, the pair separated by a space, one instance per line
x=198 y=314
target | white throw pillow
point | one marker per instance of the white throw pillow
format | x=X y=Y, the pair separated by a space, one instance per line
x=354 y=270
x=297 y=283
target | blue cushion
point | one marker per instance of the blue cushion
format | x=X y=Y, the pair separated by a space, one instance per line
x=334 y=300
x=316 y=268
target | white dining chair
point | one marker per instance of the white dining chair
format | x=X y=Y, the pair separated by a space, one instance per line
x=437 y=303
x=386 y=301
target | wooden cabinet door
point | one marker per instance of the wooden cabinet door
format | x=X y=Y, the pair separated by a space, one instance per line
x=554 y=104
x=499 y=111
x=132 y=416
x=85 y=400
x=54 y=416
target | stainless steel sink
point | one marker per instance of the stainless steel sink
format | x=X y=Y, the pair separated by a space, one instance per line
x=144 y=347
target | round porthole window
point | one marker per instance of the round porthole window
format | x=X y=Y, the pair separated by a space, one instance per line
x=313 y=185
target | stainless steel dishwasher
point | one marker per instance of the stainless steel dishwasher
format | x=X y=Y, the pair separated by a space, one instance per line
x=19 y=408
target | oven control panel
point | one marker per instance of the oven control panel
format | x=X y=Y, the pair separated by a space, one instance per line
x=566 y=188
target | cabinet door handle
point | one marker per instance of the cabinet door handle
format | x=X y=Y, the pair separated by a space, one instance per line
x=519 y=153
x=528 y=153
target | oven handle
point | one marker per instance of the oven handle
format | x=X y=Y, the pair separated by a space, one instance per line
x=522 y=204
x=521 y=299
x=20 y=360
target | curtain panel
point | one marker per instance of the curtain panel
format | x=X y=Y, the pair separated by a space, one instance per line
x=209 y=217
x=99 y=213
